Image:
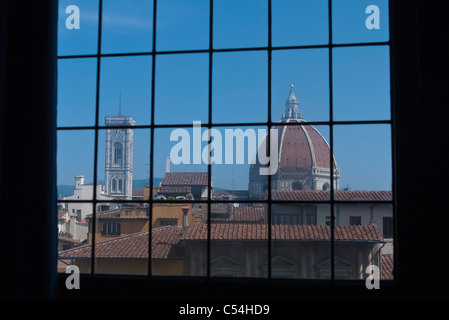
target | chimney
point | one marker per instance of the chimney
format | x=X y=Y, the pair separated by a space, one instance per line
x=185 y=210
x=167 y=165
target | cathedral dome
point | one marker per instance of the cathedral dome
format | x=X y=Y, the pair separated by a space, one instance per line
x=303 y=156
x=301 y=146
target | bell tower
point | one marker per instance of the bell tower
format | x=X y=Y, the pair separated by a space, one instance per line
x=119 y=157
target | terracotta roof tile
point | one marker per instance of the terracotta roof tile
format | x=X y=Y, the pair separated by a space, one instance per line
x=236 y=231
x=185 y=178
x=67 y=239
x=82 y=222
x=174 y=189
x=243 y=214
x=387 y=266
x=120 y=213
x=323 y=195
x=167 y=241
x=165 y=245
x=249 y=213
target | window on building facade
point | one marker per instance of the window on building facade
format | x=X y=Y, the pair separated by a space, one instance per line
x=387 y=223
x=168 y=222
x=355 y=221
x=258 y=133
x=111 y=228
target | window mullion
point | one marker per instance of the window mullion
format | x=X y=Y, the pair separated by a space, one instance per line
x=331 y=146
x=97 y=108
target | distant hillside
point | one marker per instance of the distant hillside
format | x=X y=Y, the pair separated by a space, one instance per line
x=65 y=191
x=68 y=190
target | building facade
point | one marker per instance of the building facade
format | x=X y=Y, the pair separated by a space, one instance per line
x=298 y=251
x=84 y=191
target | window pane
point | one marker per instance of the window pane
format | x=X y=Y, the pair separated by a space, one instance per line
x=236 y=173
x=127 y=26
x=239 y=241
x=363 y=154
x=123 y=163
x=300 y=158
x=372 y=231
x=125 y=88
x=299 y=22
x=303 y=172
x=361 y=80
x=182 y=88
x=75 y=159
x=76 y=92
x=239 y=87
x=172 y=223
x=308 y=72
x=352 y=23
x=178 y=163
x=73 y=234
x=182 y=25
x=121 y=238
x=77 y=27
x=300 y=241
x=240 y=23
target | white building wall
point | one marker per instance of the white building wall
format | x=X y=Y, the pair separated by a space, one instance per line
x=85 y=192
x=80 y=231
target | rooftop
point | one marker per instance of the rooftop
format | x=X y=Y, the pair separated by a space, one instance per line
x=323 y=195
x=167 y=240
x=185 y=179
x=387 y=266
x=120 y=213
x=165 y=245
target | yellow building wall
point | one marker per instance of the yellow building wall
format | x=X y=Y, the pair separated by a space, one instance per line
x=131 y=221
x=164 y=210
x=130 y=266
x=168 y=267
x=127 y=227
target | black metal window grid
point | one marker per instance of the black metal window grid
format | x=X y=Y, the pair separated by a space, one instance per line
x=331 y=123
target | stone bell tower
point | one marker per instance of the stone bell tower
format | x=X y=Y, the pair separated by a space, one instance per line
x=119 y=157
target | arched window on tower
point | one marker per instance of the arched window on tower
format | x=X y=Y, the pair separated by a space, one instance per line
x=118 y=153
x=326 y=186
x=114 y=185
x=120 y=185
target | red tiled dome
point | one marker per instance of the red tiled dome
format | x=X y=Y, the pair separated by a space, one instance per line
x=304 y=157
x=302 y=146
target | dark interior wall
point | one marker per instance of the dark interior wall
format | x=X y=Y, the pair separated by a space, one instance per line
x=420 y=83
x=27 y=144
x=27 y=167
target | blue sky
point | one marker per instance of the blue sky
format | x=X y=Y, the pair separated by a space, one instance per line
x=239 y=92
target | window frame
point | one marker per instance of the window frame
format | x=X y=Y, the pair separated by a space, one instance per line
x=269 y=49
x=420 y=59
x=358 y=220
x=111 y=228
x=387 y=228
